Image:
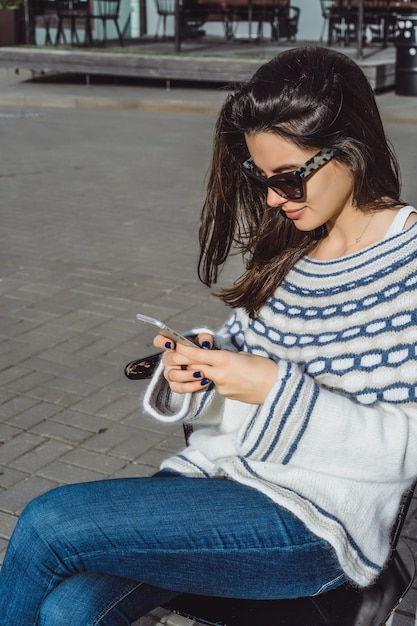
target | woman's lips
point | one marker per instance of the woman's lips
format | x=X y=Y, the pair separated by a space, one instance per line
x=294 y=215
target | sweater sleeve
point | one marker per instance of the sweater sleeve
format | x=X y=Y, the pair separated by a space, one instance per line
x=312 y=427
x=205 y=405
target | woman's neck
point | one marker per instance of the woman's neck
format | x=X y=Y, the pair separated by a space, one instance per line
x=368 y=228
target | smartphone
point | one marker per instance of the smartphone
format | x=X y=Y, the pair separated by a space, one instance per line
x=165 y=330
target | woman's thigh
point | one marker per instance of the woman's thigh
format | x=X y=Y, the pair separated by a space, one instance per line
x=211 y=536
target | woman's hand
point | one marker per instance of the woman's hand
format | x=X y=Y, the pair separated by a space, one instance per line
x=237 y=375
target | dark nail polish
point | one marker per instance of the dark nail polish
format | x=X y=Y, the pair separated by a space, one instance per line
x=168 y=345
x=206 y=344
x=197 y=374
x=205 y=381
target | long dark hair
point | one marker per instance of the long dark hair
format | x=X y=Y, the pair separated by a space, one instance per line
x=317 y=98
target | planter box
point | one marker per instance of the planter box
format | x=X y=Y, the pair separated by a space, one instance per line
x=12 y=27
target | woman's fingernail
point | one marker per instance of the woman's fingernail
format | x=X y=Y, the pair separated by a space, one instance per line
x=205 y=381
x=206 y=344
x=168 y=345
x=197 y=374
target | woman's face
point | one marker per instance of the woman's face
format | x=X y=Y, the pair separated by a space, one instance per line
x=328 y=190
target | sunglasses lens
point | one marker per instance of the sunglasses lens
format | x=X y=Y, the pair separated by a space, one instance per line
x=289 y=187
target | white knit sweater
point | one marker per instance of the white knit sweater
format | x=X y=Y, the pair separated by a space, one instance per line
x=336 y=440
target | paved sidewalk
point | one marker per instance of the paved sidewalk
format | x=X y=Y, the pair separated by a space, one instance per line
x=101 y=189
x=98 y=221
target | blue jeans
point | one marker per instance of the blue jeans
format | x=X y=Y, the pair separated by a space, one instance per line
x=106 y=553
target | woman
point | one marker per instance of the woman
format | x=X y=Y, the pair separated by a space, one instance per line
x=307 y=403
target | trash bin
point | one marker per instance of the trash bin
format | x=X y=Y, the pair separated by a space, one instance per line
x=406 y=56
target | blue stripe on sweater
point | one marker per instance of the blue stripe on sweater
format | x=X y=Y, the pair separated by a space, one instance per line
x=342 y=309
x=373 y=328
x=294 y=446
x=396 y=247
x=270 y=415
x=284 y=418
x=304 y=287
x=193 y=465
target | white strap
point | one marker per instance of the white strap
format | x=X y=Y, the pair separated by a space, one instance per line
x=399 y=220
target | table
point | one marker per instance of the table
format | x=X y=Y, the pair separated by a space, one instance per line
x=257 y=10
x=228 y=12
x=363 y=12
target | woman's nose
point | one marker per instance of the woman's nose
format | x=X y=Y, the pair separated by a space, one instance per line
x=273 y=199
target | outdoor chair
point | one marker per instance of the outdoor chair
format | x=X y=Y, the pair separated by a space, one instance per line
x=44 y=15
x=379 y=21
x=327 y=13
x=282 y=17
x=105 y=11
x=196 y=13
x=343 y=606
x=74 y=12
x=164 y=9
x=340 y=19
x=288 y=24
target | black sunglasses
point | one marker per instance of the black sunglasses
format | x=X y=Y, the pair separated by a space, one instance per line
x=289 y=185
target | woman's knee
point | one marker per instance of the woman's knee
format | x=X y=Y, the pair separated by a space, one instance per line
x=42 y=509
x=41 y=519
x=67 y=605
x=53 y=612
x=87 y=599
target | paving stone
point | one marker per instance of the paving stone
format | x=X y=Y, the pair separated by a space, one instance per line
x=57 y=355
x=77 y=342
x=34 y=315
x=138 y=443
x=91 y=423
x=12 y=373
x=87 y=459
x=19 y=445
x=34 y=342
x=96 y=401
x=27 y=381
x=109 y=438
x=7 y=524
x=15 y=405
x=7 y=432
x=105 y=375
x=70 y=385
x=41 y=456
x=55 y=430
x=38 y=363
x=14 y=499
x=120 y=408
x=16 y=327
x=90 y=372
x=59 y=473
x=34 y=415
x=3 y=547
x=56 y=396
x=144 y=421
x=136 y=469
x=10 y=476
x=151 y=458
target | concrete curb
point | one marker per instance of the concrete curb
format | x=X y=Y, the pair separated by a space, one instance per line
x=107 y=103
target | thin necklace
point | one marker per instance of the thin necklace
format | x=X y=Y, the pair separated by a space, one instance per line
x=358 y=239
